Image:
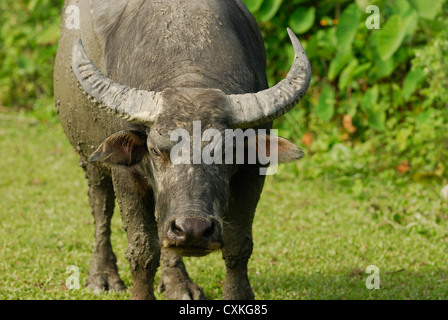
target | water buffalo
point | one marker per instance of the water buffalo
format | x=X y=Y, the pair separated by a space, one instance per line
x=164 y=65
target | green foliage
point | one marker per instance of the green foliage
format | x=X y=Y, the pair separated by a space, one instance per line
x=302 y=19
x=325 y=106
x=411 y=82
x=268 y=9
x=29 y=30
x=378 y=95
x=388 y=40
x=345 y=32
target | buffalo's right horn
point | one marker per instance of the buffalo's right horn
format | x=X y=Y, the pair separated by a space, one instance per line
x=139 y=106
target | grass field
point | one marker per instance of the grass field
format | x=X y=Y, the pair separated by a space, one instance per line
x=313 y=239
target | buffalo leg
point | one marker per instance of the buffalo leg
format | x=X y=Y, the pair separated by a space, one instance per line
x=137 y=209
x=175 y=281
x=246 y=187
x=103 y=273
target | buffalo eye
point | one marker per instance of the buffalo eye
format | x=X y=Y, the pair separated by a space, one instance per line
x=155 y=152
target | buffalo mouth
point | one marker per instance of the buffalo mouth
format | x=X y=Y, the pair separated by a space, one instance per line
x=192 y=251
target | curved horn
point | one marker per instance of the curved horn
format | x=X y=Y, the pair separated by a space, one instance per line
x=139 y=106
x=253 y=109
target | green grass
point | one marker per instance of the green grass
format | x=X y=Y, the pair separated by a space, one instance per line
x=313 y=239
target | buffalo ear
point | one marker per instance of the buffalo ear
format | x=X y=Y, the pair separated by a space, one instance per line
x=126 y=147
x=285 y=150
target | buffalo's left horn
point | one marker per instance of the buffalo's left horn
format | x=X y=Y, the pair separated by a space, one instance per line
x=139 y=106
x=253 y=109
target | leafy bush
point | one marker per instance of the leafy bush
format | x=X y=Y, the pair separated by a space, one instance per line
x=29 y=32
x=378 y=98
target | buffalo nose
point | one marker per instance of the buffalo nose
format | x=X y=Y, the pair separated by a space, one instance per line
x=192 y=231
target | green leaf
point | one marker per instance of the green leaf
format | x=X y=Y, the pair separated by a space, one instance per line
x=427 y=10
x=410 y=22
x=347 y=27
x=411 y=82
x=361 y=69
x=370 y=98
x=268 y=9
x=347 y=75
x=338 y=63
x=384 y=67
x=302 y=19
x=395 y=94
x=400 y=7
x=408 y=15
x=325 y=105
x=312 y=47
x=390 y=37
x=376 y=118
x=253 y=5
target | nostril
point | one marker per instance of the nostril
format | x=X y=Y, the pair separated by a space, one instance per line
x=176 y=229
x=208 y=233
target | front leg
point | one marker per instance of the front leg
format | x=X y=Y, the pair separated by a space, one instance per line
x=137 y=207
x=237 y=286
x=175 y=281
x=246 y=187
x=103 y=273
